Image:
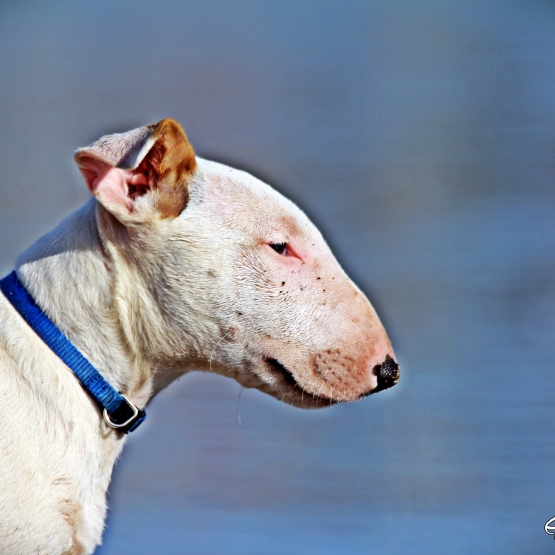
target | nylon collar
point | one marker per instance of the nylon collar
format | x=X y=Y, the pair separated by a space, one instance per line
x=119 y=413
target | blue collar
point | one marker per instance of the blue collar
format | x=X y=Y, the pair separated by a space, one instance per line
x=119 y=413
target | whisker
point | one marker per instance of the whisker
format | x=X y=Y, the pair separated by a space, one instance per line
x=237 y=405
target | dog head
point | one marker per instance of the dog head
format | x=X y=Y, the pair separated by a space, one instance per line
x=215 y=270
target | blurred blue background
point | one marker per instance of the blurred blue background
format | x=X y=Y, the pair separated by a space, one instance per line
x=420 y=137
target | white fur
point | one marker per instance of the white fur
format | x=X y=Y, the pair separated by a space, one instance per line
x=147 y=300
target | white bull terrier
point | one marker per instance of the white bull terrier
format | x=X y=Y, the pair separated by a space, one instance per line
x=177 y=264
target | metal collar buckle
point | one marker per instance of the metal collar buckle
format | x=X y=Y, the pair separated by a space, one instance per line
x=119 y=425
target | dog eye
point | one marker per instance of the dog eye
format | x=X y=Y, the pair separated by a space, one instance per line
x=280 y=248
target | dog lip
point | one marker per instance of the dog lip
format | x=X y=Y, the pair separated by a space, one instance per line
x=287 y=376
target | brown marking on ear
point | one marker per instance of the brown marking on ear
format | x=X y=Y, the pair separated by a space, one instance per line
x=169 y=166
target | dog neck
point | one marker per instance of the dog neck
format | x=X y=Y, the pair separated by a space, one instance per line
x=71 y=275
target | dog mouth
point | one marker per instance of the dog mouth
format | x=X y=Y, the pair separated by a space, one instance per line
x=387 y=375
x=285 y=377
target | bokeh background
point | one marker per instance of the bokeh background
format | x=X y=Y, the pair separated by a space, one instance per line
x=420 y=137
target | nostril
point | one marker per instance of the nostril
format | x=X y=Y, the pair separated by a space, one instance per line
x=387 y=373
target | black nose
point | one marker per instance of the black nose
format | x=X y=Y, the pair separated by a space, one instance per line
x=387 y=373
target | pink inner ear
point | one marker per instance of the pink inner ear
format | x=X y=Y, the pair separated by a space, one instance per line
x=110 y=187
x=113 y=187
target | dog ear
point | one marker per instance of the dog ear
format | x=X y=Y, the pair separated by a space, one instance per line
x=141 y=172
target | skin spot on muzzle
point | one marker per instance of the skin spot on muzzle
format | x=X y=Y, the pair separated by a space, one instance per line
x=387 y=373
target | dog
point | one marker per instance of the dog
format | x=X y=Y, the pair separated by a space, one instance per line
x=175 y=264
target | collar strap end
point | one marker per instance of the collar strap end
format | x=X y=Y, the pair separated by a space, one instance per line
x=125 y=418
